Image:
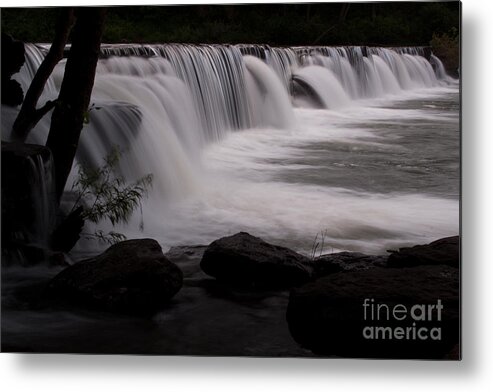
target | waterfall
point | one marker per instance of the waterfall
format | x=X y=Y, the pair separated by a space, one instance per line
x=42 y=195
x=214 y=74
x=324 y=85
x=28 y=196
x=268 y=99
x=33 y=57
x=161 y=104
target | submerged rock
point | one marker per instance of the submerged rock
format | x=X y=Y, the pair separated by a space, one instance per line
x=186 y=253
x=328 y=316
x=131 y=277
x=188 y=259
x=346 y=261
x=245 y=260
x=445 y=251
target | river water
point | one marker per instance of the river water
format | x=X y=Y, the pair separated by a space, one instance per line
x=375 y=176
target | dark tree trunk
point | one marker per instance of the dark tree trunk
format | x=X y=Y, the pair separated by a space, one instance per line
x=29 y=116
x=75 y=93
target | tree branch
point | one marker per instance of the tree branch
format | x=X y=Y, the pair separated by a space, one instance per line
x=342 y=19
x=29 y=116
x=39 y=113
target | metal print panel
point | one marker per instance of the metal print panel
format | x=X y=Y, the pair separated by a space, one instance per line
x=275 y=180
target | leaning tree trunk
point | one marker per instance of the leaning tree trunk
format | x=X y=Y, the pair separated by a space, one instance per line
x=75 y=93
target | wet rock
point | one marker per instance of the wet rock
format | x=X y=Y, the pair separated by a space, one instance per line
x=130 y=277
x=445 y=251
x=327 y=316
x=188 y=259
x=186 y=253
x=27 y=200
x=28 y=255
x=346 y=261
x=245 y=260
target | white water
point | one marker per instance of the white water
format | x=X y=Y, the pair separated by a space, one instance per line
x=325 y=84
x=230 y=151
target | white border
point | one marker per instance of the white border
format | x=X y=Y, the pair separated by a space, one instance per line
x=134 y=373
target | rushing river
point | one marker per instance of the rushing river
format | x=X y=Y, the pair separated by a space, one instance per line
x=373 y=176
x=364 y=149
x=360 y=144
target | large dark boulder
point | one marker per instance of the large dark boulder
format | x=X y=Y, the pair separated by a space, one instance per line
x=328 y=316
x=445 y=251
x=246 y=260
x=130 y=277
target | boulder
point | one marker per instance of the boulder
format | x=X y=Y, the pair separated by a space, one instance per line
x=445 y=251
x=328 y=316
x=245 y=260
x=346 y=261
x=130 y=277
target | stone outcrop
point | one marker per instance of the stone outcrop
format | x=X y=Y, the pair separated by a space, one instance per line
x=445 y=251
x=130 y=277
x=328 y=316
x=245 y=260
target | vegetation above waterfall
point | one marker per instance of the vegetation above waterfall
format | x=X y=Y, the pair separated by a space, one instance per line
x=276 y=24
x=386 y=23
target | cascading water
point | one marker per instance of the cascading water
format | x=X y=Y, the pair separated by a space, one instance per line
x=215 y=75
x=269 y=102
x=173 y=110
x=28 y=201
x=43 y=192
x=325 y=84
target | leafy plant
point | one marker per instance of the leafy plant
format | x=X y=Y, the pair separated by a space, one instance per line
x=104 y=195
x=87 y=119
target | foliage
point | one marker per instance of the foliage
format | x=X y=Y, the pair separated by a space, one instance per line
x=111 y=237
x=87 y=118
x=104 y=195
x=392 y=23
x=447 y=47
